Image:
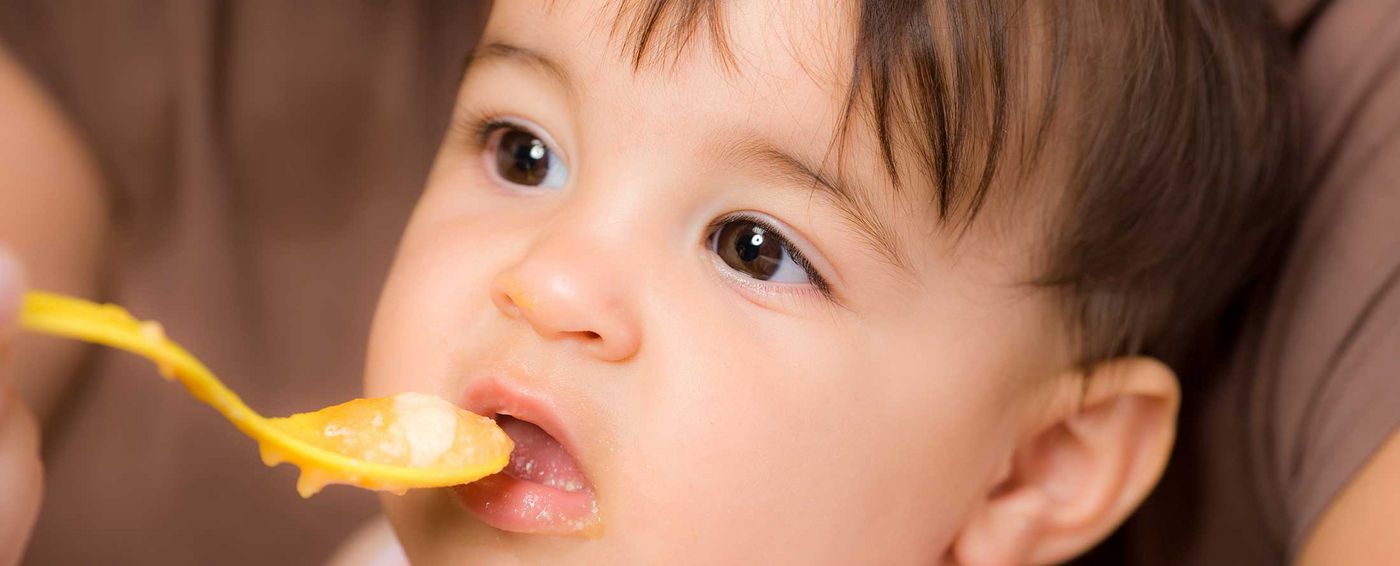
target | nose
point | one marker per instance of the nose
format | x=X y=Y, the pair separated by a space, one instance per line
x=565 y=297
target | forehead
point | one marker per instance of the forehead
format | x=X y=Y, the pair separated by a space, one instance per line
x=745 y=50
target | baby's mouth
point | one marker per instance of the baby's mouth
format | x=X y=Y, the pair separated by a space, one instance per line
x=543 y=490
x=540 y=458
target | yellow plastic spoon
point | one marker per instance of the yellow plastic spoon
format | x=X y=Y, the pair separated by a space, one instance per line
x=391 y=444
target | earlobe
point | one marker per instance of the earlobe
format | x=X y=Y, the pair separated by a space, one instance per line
x=1079 y=473
x=1000 y=533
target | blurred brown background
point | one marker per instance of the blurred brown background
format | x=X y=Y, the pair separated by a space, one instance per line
x=261 y=159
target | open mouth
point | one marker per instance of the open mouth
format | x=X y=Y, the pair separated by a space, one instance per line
x=539 y=458
x=543 y=489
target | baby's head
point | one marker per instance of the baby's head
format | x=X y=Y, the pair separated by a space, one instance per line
x=848 y=282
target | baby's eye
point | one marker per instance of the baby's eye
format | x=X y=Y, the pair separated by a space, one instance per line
x=521 y=157
x=755 y=249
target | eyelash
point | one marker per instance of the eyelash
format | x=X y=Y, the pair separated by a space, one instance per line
x=797 y=256
x=480 y=125
x=476 y=128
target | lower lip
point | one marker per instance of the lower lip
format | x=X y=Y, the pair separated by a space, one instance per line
x=518 y=504
x=512 y=504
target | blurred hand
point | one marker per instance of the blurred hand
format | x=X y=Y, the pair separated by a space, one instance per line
x=21 y=475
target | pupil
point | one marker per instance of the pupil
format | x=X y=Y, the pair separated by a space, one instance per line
x=522 y=158
x=747 y=248
x=748 y=251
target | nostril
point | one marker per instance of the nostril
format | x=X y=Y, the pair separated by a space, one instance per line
x=583 y=335
x=564 y=308
x=506 y=304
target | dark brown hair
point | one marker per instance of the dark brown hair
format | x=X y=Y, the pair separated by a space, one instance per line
x=1172 y=121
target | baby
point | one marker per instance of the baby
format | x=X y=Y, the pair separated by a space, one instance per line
x=829 y=282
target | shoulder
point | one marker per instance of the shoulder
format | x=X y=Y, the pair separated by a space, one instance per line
x=1326 y=393
x=1359 y=526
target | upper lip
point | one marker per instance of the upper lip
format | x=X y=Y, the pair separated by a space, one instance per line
x=491 y=396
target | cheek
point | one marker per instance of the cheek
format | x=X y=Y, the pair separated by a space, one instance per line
x=437 y=292
x=768 y=432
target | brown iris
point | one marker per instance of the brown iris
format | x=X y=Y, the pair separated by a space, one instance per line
x=750 y=249
x=522 y=158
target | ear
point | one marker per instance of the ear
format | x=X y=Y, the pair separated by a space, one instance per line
x=1081 y=470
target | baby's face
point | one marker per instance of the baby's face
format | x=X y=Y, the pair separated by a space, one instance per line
x=708 y=353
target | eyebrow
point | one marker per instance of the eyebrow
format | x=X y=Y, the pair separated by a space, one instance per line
x=502 y=51
x=783 y=167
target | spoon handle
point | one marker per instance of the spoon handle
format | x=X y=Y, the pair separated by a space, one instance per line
x=111 y=325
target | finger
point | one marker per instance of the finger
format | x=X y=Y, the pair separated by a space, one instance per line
x=9 y=311
x=21 y=474
x=11 y=284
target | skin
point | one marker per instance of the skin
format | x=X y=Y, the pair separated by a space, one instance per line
x=21 y=474
x=52 y=218
x=46 y=173
x=920 y=414
x=1359 y=527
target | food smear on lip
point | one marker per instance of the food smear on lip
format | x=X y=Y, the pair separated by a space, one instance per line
x=411 y=439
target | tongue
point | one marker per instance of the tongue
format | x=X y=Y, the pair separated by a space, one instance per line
x=539 y=458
